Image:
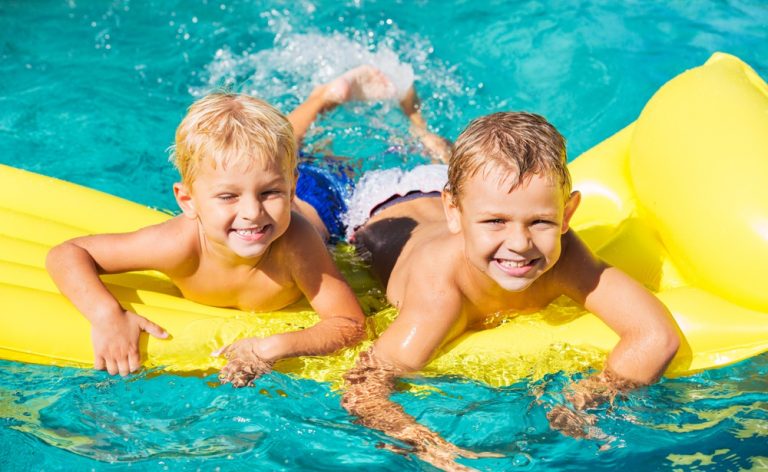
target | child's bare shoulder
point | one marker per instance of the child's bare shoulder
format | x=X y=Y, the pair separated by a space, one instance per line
x=300 y=245
x=300 y=236
x=176 y=243
x=432 y=261
x=578 y=270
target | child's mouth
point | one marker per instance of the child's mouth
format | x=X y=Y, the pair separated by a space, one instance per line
x=515 y=268
x=251 y=234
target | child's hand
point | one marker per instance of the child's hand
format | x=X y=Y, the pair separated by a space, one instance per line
x=244 y=363
x=604 y=387
x=116 y=342
x=573 y=423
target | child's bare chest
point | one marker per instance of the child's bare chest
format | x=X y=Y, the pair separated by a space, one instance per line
x=487 y=310
x=248 y=289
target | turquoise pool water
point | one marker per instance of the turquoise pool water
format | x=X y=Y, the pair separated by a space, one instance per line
x=92 y=91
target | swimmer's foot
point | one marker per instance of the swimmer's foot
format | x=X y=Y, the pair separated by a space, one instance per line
x=361 y=84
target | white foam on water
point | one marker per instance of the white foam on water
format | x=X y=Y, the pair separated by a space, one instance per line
x=301 y=61
x=301 y=58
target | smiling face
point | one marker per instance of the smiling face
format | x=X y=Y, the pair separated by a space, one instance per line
x=242 y=207
x=511 y=236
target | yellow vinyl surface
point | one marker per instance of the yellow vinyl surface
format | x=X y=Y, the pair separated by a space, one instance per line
x=678 y=199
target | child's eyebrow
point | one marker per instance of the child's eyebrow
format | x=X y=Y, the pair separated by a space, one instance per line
x=225 y=184
x=492 y=214
x=510 y=215
x=544 y=215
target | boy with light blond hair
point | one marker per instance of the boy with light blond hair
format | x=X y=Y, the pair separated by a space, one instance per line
x=245 y=239
x=497 y=239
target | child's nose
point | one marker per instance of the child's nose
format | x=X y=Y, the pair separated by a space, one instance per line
x=251 y=208
x=517 y=240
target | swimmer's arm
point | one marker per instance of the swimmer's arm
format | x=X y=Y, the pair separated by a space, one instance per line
x=429 y=310
x=341 y=318
x=75 y=266
x=648 y=335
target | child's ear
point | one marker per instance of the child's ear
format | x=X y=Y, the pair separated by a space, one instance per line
x=184 y=199
x=452 y=212
x=570 y=208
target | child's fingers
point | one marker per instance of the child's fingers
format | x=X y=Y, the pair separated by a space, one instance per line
x=152 y=328
x=134 y=360
x=224 y=351
x=111 y=366
x=99 y=363
x=122 y=367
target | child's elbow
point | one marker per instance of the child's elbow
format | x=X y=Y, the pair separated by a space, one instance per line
x=667 y=342
x=55 y=254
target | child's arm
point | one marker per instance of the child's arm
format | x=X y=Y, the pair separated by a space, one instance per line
x=427 y=318
x=648 y=335
x=75 y=266
x=341 y=318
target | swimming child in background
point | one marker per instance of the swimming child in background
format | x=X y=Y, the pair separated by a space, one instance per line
x=244 y=240
x=496 y=240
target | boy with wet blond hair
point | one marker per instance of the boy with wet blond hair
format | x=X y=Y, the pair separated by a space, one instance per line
x=244 y=240
x=232 y=128
x=498 y=240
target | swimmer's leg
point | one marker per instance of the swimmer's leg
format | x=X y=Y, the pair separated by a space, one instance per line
x=363 y=83
x=438 y=148
x=302 y=117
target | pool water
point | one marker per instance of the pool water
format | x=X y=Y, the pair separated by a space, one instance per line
x=91 y=92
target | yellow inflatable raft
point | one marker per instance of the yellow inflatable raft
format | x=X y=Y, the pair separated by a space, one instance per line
x=678 y=199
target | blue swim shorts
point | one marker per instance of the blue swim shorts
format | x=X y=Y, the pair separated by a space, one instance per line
x=327 y=190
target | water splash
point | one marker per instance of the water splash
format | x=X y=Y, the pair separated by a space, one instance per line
x=285 y=73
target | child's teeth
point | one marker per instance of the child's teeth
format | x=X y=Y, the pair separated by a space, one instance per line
x=508 y=263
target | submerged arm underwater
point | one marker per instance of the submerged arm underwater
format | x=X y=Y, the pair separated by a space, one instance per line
x=368 y=387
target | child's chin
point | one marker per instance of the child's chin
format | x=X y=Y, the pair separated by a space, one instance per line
x=514 y=287
x=250 y=252
x=512 y=284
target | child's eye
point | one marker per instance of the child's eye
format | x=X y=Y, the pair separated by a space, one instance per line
x=494 y=221
x=271 y=193
x=543 y=223
x=226 y=196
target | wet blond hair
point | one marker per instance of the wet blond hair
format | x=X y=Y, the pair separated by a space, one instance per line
x=228 y=128
x=517 y=143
